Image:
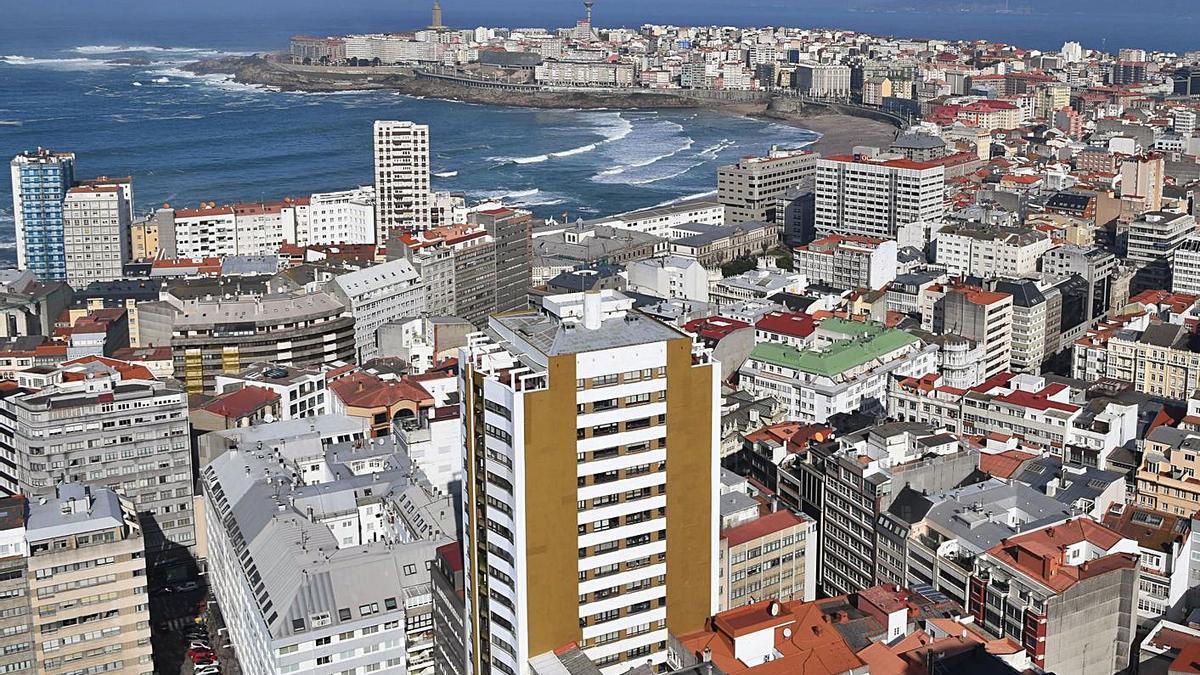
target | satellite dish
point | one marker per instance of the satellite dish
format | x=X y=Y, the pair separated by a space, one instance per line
x=773 y=608
x=787 y=633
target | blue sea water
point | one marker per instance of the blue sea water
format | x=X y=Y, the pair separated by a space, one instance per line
x=185 y=138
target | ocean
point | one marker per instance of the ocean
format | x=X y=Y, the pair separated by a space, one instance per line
x=185 y=138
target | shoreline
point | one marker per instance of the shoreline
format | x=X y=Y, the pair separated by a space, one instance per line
x=838 y=130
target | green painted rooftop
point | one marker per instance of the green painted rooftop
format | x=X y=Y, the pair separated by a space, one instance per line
x=842 y=355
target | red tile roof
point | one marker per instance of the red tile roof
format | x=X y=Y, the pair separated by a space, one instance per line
x=1039 y=553
x=365 y=390
x=714 y=327
x=1003 y=464
x=241 y=403
x=760 y=527
x=792 y=324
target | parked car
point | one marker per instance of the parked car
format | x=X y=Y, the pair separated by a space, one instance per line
x=186 y=587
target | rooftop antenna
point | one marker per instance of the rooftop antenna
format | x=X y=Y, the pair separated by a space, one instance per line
x=587 y=5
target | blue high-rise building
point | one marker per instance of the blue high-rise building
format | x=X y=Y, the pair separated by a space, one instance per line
x=40 y=180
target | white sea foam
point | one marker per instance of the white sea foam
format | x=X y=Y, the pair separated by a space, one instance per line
x=60 y=64
x=446 y=174
x=685 y=198
x=575 y=151
x=10 y=123
x=161 y=80
x=137 y=84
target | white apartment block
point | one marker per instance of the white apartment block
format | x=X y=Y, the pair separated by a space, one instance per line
x=848 y=262
x=345 y=217
x=989 y=251
x=639 y=405
x=1185 y=270
x=661 y=221
x=241 y=229
x=378 y=295
x=96 y=232
x=874 y=196
x=669 y=277
x=301 y=391
x=402 y=190
x=822 y=80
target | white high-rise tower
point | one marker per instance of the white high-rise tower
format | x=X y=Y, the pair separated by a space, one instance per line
x=401 y=177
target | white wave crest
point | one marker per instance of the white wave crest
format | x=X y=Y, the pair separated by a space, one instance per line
x=60 y=64
x=575 y=151
x=685 y=198
x=446 y=174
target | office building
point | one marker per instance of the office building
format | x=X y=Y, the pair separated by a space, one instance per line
x=717 y=245
x=111 y=423
x=96 y=220
x=769 y=556
x=749 y=188
x=1066 y=593
x=209 y=336
x=402 y=190
x=847 y=261
x=637 y=558
x=319 y=556
x=87 y=583
x=458 y=267
x=1185 y=268
x=40 y=180
x=985 y=251
x=1153 y=240
x=875 y=195
x=1094 y=265
x=862 y=478
x=512 y=232
x=1037 y=310
x=376 y=296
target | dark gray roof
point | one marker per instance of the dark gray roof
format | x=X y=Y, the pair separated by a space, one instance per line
x=1024 y=292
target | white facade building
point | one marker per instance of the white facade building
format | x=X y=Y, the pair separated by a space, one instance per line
x=96 y=232
x=874 y=196
x=991 y=251
x=669 y=277
x=301 y=390
x=402 y=190
x=378 y=295
x=345 y=217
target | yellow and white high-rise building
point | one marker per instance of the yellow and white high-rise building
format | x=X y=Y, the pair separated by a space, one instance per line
x=591 y=513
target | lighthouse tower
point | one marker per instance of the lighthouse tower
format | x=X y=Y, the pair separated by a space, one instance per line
x=583 y=27
x=437 y=15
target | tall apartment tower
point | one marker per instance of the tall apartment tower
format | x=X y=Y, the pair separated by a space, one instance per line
x=590 y=505
x=96 y=231
x=873 y=196
x=1142 y=180
x=40 y=180
x=401 y=177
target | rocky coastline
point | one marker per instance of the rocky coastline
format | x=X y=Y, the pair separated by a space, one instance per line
x=839 y=131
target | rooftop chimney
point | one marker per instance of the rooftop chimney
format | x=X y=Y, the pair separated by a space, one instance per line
x=592 y=311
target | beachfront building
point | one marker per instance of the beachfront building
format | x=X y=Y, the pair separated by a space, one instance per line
x=96 y=221
x=749 y=189
x=402 y=190
x=40 y=180
x=875 y=195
